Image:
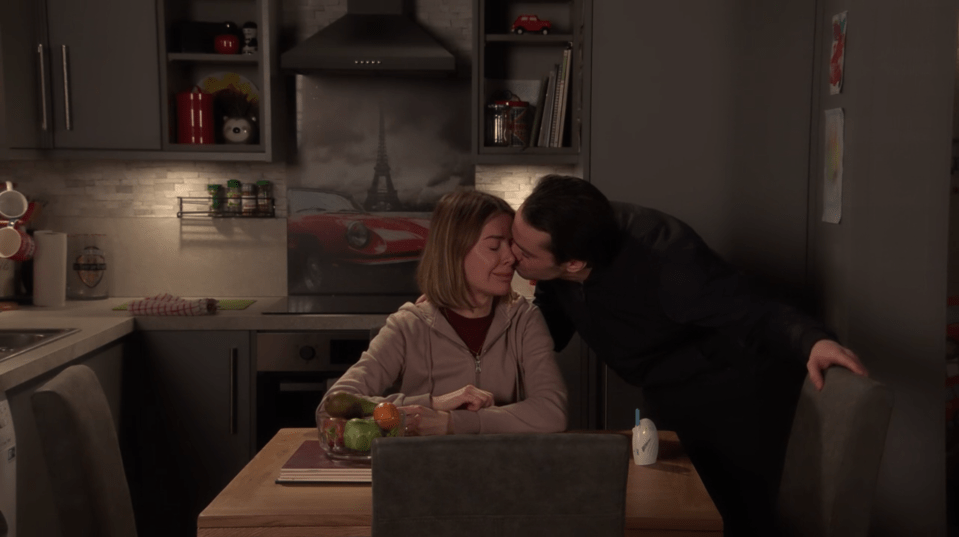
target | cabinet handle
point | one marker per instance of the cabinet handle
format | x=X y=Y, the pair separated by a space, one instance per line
x=66 y=87
x=43 y=89
x=233 y=382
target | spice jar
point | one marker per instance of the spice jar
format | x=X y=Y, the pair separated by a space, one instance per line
x=215 y=207
x=233 y=196
x=248 y=199
x=264 y=198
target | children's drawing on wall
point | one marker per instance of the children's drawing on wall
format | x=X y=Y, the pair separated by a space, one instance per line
x=375 y=155
x=838 y=53
x=832 y=177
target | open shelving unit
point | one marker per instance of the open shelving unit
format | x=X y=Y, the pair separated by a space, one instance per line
x=182 y=71
x=518 y=63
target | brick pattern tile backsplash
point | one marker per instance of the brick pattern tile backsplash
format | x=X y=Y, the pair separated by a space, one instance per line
x=118 y=189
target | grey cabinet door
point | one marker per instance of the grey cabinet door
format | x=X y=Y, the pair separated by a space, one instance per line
x=112 y=83
x=21 y=96
x=194 y=425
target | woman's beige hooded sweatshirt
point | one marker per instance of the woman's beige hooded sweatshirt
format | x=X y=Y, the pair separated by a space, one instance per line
x=419 y=355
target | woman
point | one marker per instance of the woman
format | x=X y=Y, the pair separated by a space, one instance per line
x=474 y=357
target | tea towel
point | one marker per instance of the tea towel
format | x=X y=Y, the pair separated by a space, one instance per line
x=167 y=304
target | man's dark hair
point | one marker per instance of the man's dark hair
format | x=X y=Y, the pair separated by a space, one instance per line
x=577 y=216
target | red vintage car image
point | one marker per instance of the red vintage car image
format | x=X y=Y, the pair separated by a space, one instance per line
x=327 y=230
x=531 y=23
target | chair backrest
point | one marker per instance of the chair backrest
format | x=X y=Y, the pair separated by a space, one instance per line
x=82 y=452
x=832 y=459
x=500 y=485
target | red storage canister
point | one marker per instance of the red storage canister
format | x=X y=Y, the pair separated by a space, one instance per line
x=194 y=117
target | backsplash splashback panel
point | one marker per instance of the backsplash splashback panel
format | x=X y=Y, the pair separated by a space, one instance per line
x=374 y=157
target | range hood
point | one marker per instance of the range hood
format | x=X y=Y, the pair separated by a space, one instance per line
x=374 y=36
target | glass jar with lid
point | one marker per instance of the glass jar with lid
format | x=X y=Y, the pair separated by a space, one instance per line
x=215 y=203
x=248 y=199
x=264 y=198
x=233 y=196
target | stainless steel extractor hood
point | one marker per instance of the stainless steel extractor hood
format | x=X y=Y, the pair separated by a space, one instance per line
x=374 y=36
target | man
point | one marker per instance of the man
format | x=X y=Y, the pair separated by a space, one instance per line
x=718 y=363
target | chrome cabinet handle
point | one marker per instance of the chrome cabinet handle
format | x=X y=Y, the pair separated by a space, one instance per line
x=66 y=88
x=43 y=88
x=233 y=363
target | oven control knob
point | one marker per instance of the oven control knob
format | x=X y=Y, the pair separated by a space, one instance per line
x=307 y=353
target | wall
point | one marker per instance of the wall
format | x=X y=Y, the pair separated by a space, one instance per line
x=714 y=129
x=135 y=203
x=880 y=274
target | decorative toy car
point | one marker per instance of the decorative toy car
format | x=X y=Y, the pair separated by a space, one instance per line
x=531 y=23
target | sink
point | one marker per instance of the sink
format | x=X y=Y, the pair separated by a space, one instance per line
x=14 y=341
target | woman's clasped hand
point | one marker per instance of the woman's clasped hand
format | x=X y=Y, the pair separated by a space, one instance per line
x=421 y=420
x=468 y=397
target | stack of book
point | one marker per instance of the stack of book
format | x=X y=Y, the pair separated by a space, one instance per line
x=310 y=464
x=549 y=121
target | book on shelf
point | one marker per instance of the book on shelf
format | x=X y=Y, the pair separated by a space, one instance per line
x=559 y=106
x=538 y=114
x=546 y=119
x=310 y=464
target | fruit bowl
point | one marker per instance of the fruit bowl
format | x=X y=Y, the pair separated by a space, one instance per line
x=350 y=436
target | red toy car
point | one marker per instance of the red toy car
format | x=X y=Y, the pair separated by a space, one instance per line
x=327 y=227
x=531 y=23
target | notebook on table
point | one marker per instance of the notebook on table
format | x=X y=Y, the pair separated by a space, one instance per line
x=310 y=464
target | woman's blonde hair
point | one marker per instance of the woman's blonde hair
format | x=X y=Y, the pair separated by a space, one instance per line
x=455 y=226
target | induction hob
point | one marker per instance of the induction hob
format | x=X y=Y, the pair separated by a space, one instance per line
x=337 y=304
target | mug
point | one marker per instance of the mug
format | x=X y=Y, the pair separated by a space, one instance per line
x=15 y=244
x=226 y=44
x=8 y=278
x=12 y=203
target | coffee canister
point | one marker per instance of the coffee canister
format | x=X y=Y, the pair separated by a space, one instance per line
x=87 y=267
x=518 y=123
x=194 y=117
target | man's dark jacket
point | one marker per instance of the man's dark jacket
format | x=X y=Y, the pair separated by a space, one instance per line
x=668 y=308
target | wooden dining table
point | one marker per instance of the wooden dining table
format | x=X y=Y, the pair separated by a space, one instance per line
x=666 y=498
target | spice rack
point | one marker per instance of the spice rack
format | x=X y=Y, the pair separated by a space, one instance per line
x=199 y=207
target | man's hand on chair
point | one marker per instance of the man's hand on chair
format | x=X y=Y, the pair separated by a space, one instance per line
x=827 y=353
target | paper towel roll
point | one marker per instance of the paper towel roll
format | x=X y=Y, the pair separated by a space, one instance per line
x=50 y=269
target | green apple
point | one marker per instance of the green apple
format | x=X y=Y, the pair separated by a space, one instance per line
x=359 y=433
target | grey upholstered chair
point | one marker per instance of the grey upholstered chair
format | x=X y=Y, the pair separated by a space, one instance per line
x=832 y=459
x=82 y=452
x=500 y=485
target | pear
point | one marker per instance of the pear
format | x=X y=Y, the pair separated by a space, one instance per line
x=348 y=406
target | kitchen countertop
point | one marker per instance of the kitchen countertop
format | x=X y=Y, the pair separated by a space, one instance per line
x=99 y=325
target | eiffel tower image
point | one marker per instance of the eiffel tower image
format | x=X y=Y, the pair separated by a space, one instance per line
x=382 y=196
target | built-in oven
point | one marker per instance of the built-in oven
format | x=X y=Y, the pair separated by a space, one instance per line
x=293 y=372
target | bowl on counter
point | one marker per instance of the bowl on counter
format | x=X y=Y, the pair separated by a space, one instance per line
x=352 y=439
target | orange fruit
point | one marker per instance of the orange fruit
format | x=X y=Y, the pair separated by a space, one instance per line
x=386 y=415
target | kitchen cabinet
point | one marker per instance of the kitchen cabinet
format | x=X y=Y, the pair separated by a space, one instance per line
x=504 y=60
x=111 y=92
x=79 y=75
x=193 y=428
x=186 y=63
